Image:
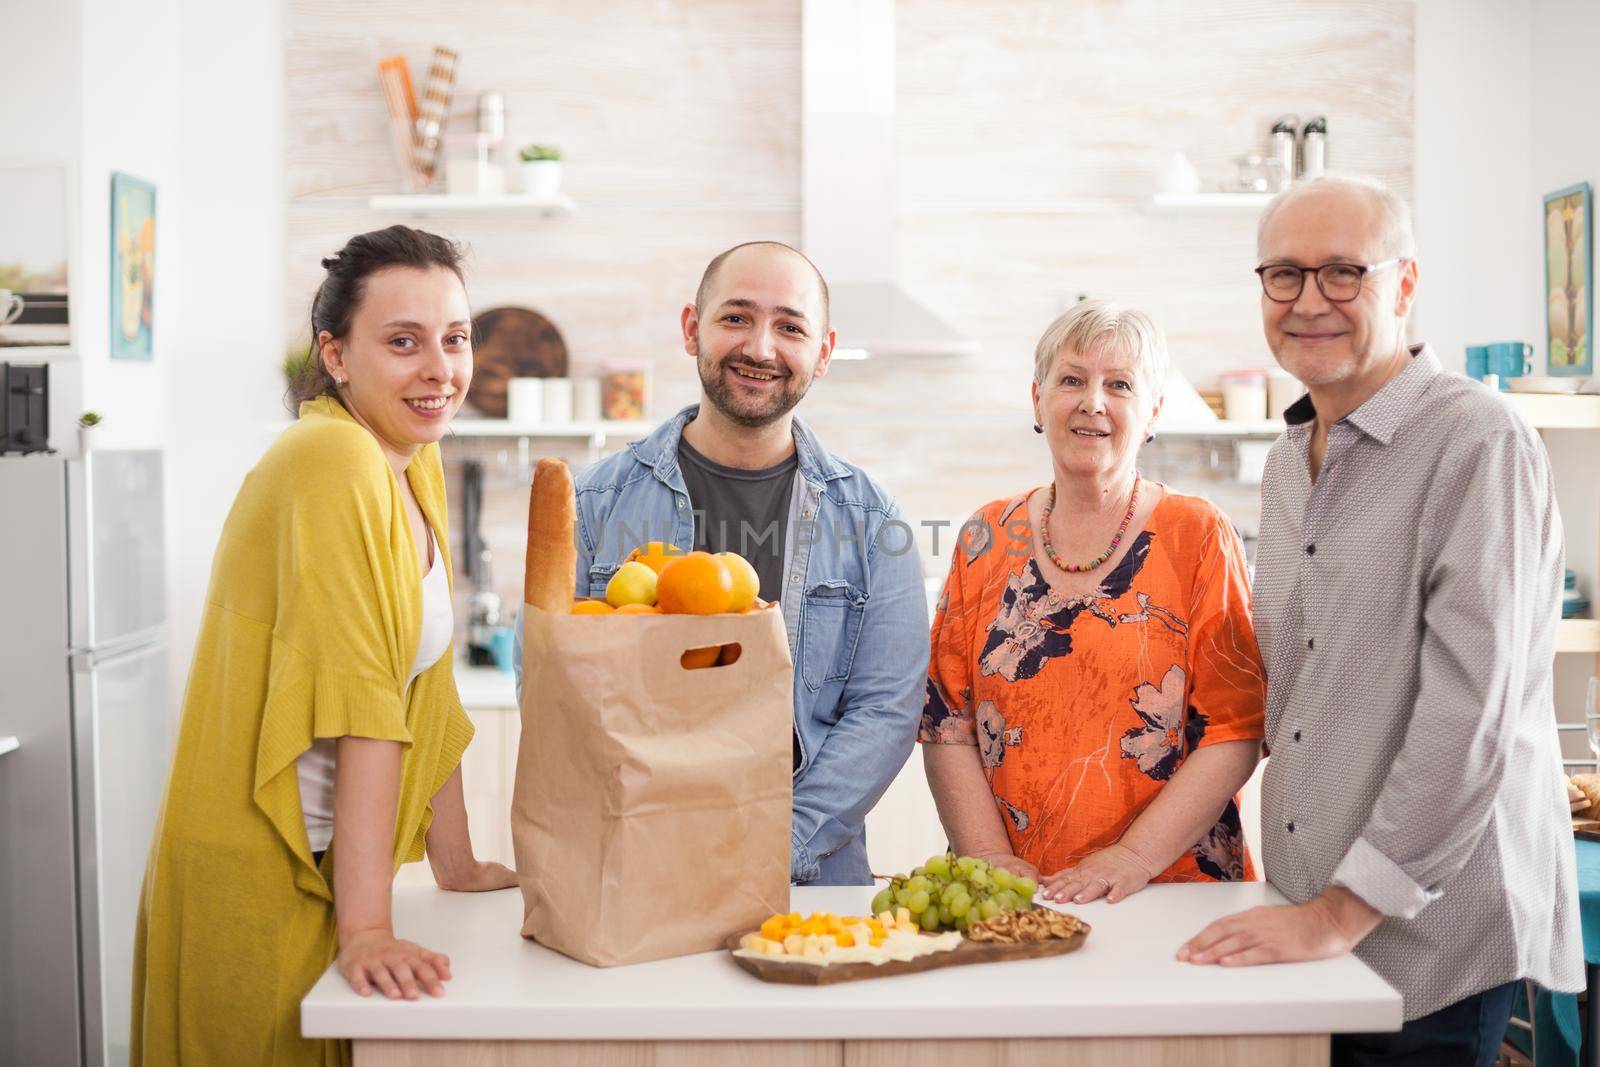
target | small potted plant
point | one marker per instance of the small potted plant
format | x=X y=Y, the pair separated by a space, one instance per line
x=86 y=424
x=294 y=361
x=541 y=170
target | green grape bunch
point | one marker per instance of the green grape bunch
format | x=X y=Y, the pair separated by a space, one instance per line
x=951 y=892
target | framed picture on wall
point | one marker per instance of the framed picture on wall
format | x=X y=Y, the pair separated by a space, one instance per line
x=1568 y=268
x=133 y=266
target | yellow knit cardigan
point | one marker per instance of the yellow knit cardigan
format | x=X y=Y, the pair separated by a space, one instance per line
x=310 y=629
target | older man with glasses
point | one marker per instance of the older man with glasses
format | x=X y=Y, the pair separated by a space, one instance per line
x=1407 y=593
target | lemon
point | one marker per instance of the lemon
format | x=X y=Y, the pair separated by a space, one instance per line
x=746 y=583
x=634 y=583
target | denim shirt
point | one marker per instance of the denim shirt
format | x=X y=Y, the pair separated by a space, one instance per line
x=854 y=608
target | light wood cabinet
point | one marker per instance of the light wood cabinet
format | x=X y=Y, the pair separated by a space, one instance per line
x=488 y=770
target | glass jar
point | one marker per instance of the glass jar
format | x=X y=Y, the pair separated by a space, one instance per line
x=623 y=394
x=474 y=164
x=1244 y=395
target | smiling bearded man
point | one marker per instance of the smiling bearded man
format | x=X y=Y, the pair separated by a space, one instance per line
x=749 y=383
x=739 y=473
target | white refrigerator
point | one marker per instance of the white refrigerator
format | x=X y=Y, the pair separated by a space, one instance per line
x=84 y=690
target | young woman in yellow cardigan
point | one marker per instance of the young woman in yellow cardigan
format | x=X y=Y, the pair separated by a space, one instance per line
x=321 y=738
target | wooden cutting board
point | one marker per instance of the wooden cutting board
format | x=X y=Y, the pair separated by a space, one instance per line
x=773 y=970
x=512 y=342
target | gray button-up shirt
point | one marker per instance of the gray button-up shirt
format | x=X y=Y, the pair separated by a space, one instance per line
x=1406 y=606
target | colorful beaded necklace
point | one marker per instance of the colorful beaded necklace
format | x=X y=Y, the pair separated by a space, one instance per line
x=1072 y=568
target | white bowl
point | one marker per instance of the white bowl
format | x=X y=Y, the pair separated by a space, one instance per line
x=1538 y=384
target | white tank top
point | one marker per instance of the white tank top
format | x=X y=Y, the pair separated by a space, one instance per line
x=315 y=765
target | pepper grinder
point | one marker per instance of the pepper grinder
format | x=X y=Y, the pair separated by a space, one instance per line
x=1283 y=149
x=1314 y=147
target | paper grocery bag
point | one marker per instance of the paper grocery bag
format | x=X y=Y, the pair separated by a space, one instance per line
x=651 y=812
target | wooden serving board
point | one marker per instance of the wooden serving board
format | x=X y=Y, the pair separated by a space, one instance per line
x=774 y=970
x=512 y=342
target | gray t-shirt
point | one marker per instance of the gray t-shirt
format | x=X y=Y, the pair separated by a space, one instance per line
x=743 y=511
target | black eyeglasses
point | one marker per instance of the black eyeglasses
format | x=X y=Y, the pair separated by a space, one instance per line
x=1339 y=282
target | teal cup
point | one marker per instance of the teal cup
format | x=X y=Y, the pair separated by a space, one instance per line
x=1510 y=359
x=1477 y=362
x=501 y=639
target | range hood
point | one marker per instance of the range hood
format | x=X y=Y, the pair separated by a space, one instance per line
x=848 y=191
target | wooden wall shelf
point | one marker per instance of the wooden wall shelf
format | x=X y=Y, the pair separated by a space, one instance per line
x=1558 y=411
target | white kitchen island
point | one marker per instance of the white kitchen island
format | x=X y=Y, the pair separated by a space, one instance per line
x=1121 y=999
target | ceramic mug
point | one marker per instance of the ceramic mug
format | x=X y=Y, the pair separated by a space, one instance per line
x=558 y=400
x=500 y=640
x=1477 y=361
x=10 y=307
x=525 y=400
x=1510 y=359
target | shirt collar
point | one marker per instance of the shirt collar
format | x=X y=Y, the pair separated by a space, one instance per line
x=659 y=451
x=1383 y=412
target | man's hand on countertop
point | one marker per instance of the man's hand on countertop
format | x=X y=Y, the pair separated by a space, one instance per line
x=1329 y=924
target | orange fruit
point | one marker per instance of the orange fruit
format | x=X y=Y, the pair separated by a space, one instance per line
x=696 y=658
x=655 y=555
x=746 y=583
x=592 y=607
x=694 y=584
x=638 y=609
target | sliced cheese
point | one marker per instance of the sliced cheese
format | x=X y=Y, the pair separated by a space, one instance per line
x=897 y=945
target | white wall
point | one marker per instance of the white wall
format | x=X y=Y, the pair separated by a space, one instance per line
x=39 y=64
x=129 y=123
x=222 y=388
x=1476 y=212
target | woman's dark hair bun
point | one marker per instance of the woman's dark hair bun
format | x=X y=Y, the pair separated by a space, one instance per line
x=341 y=292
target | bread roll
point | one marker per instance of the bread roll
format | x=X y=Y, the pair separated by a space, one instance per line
x=1589 y=784
x=550 y=576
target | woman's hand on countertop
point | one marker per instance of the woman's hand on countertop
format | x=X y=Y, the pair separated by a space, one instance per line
x=398 y=968
x=479 y=876
x=1115 y=872
x=1015 y=864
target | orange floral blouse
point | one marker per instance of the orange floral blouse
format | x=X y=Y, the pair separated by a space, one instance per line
x=1083 y=707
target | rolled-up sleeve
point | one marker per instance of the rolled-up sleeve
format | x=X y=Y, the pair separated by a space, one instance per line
x=1492 y=522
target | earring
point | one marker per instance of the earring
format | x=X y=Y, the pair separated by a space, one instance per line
x=1037 y=428
x=1149 y=438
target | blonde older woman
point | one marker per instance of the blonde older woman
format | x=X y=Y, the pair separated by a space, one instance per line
x=1095 y=696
